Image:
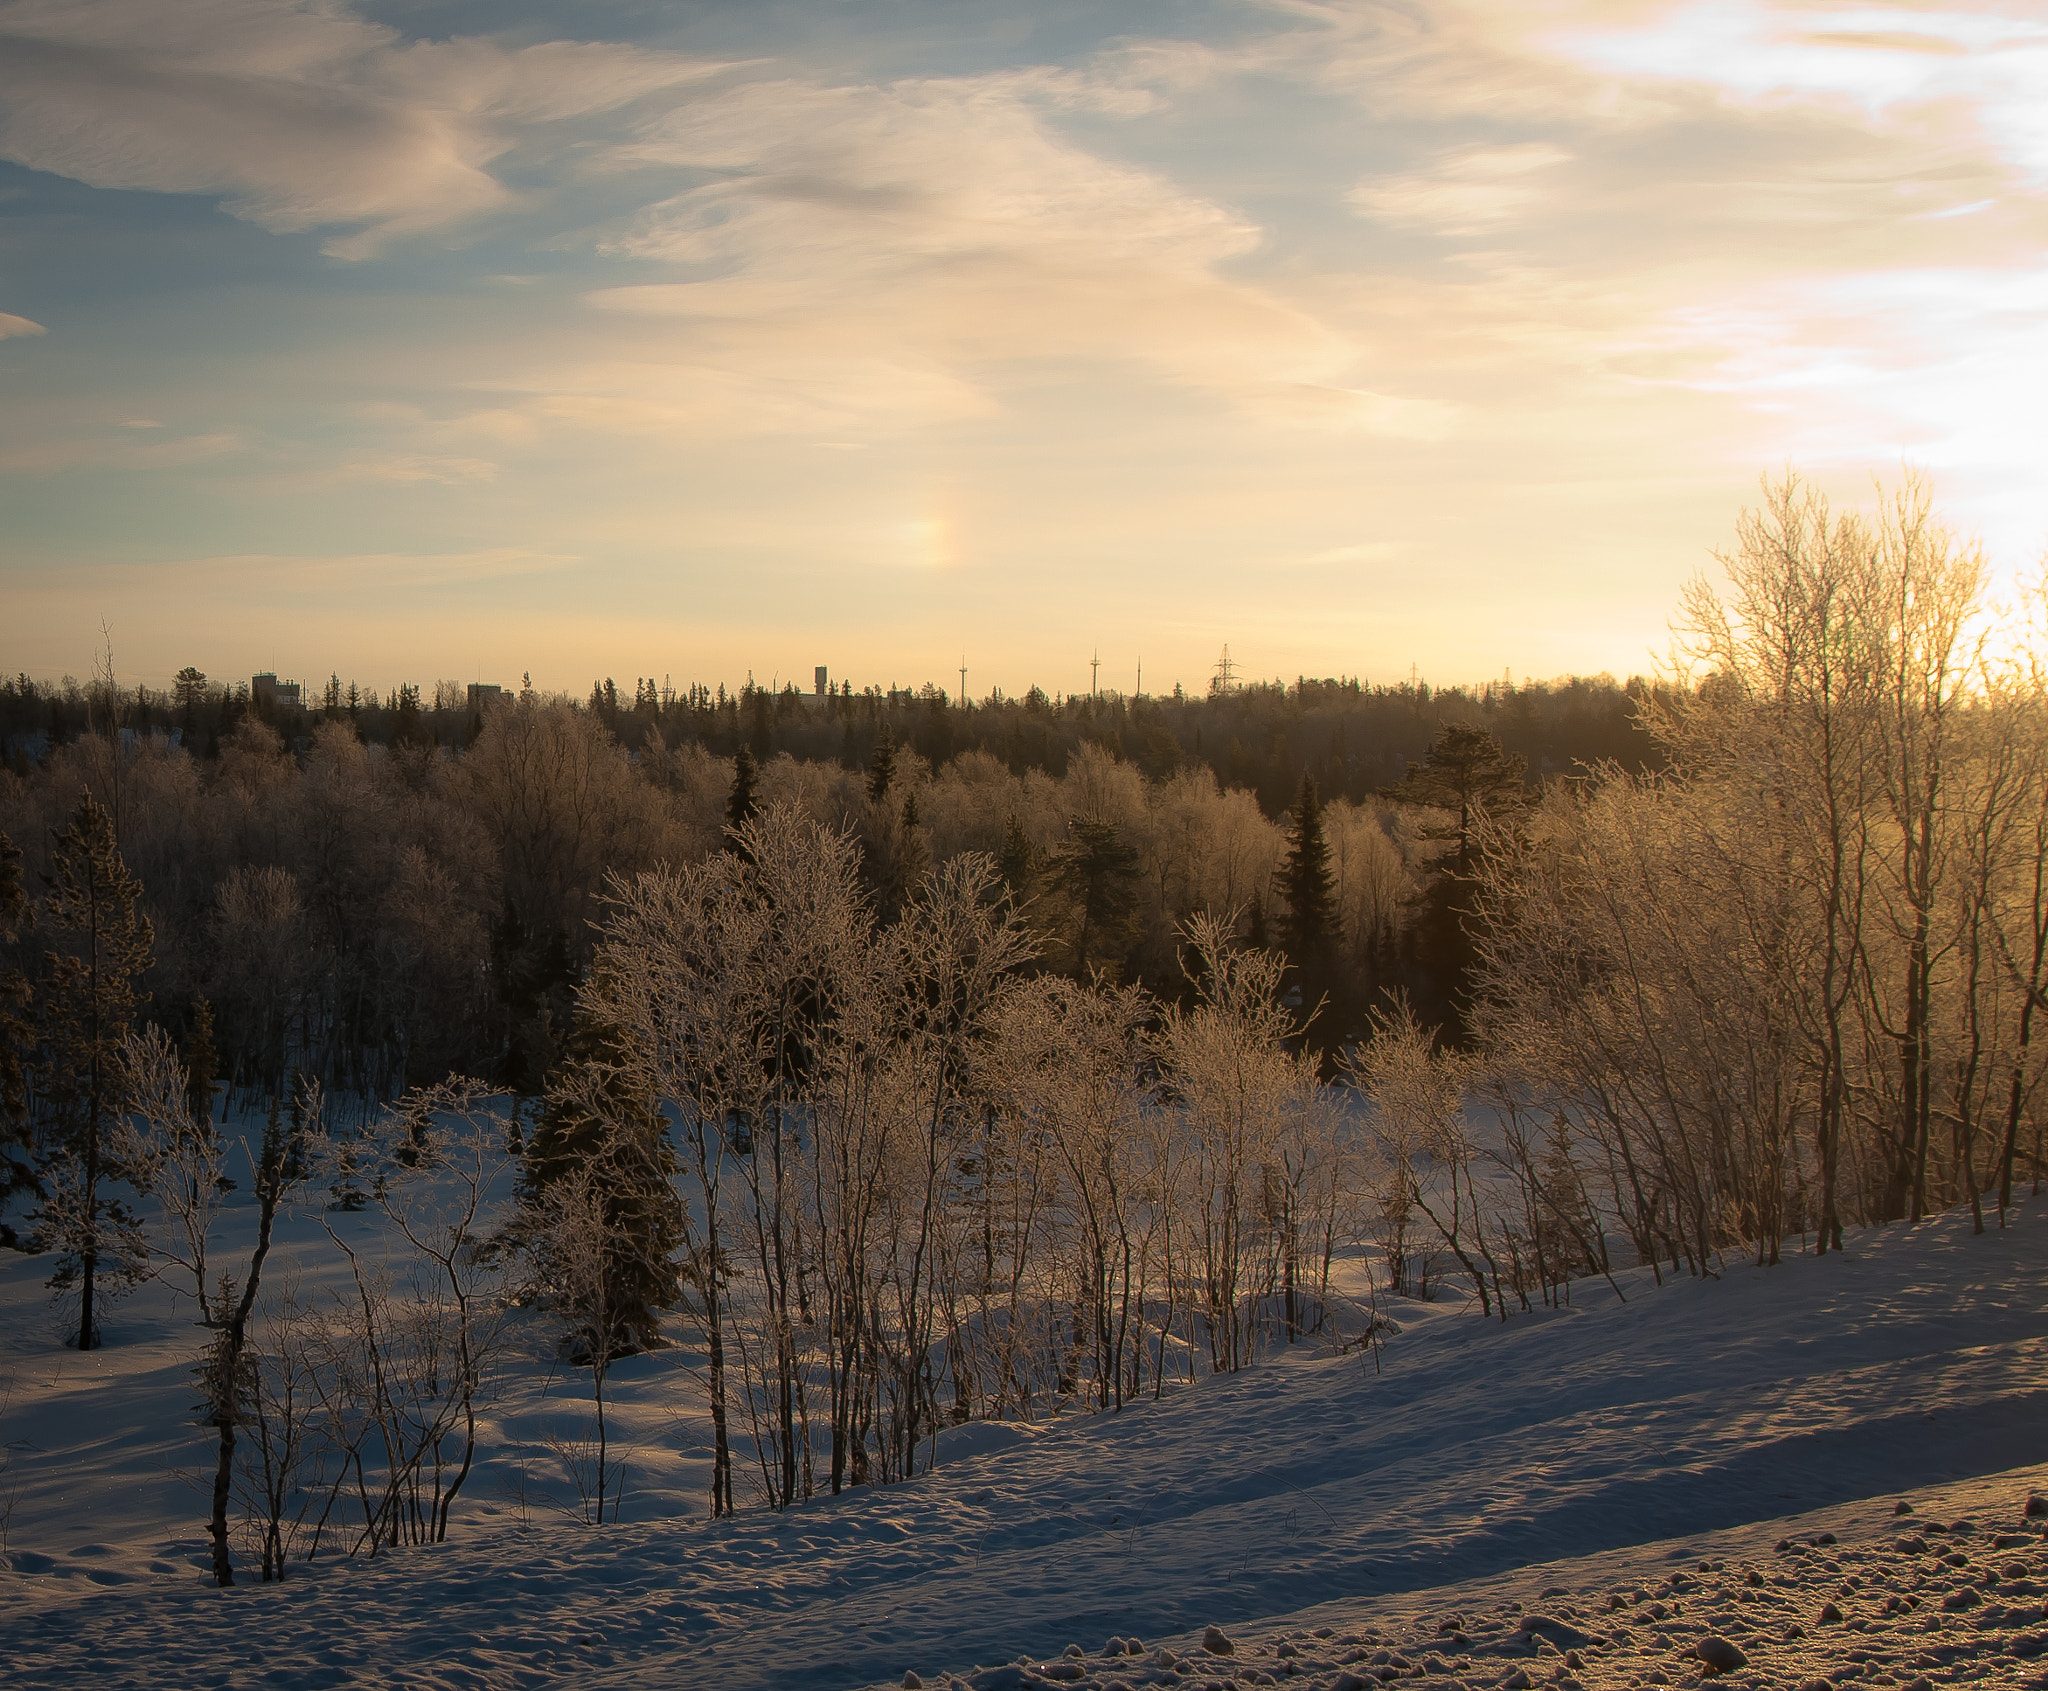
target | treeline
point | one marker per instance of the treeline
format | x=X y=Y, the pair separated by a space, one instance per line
x=1351 y=738
x=377 y=916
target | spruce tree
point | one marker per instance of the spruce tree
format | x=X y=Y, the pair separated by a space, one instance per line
x=1096 y=870
x=406 y=727
x=883 y=770
x=911 y=860
x=597 y=1119
x=17 y=1043
x=89 y=1003
x=1467 y=774
x=1310 y=927
x=202 y=1066
x=742 y=803
x=1018 y=860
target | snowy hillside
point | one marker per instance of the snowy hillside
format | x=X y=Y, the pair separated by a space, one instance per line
x=1310 y=1494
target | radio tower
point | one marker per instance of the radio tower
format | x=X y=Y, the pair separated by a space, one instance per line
x=963 y=680
x=1094 y=676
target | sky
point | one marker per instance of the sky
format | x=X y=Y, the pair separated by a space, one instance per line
x=435 y=339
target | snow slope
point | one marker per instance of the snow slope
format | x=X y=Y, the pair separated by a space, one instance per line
x=1629 y=1433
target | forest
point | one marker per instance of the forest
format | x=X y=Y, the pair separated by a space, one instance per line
x=923 y=1063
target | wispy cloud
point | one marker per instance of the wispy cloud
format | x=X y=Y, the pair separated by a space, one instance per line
x=1468 y=189
x=406 y=468
x=275 y=576
x=944 y=223
x=25 y=451
x=1480 y=279
x=301 y=114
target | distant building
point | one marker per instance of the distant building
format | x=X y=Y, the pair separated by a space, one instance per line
x=485 y=693
x=269 y=693
x=819 y=685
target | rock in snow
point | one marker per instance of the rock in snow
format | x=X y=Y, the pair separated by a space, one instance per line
x=1720 y=1655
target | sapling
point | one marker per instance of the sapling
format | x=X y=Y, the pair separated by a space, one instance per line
x=281 y=1163
x=175 y=1157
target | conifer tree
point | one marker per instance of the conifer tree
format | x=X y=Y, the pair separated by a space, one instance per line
x=1467 y=774
x=406 y=726
x=1255 y=934
x=743 y=801
x=17 y=1042
x=883 y=770
x=89 y=1003
x=202 y=1066
x=1018 y=860
x=189 y=692
x=599 y=1125
x=1096 y=870
x=1305 y=881
x=911 y=859
x=1310 y=928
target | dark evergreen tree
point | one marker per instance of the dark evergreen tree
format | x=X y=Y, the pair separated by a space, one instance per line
x=882 y=771
x=89 y=1003
x=406 y=727
x=202 y=1066
x=1310 y=929
x=1018 y=860
x=911 y=860
x=742 y=803
x=188 y=692
x=534 y=976
x=17 y=1044
x=596 y=1117
x=1095 y=874
x=1468 y=775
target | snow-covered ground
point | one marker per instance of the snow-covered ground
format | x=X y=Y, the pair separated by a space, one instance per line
x=1485 y=1473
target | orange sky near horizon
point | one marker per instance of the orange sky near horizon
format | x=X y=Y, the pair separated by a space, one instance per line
x=443 y=339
